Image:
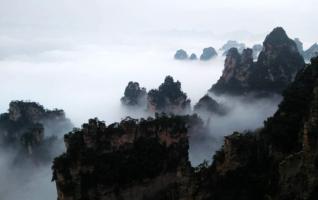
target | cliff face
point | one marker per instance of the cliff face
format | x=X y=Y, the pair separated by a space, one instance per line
x=278 y=161
x=32 y=112
x=294 y=131
x=25 y=126
x=300 y=46
x=146 y=159
x=236 y=73
x=278 y=64
x=276 y=67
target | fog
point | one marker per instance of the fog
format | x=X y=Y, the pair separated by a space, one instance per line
x=87 y=80
x=28 y=183
x=244 y=114
x=79 y=55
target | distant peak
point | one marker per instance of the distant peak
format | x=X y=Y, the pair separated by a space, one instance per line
x=315 y=45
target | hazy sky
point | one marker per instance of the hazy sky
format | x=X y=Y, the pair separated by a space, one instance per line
x=115 y=16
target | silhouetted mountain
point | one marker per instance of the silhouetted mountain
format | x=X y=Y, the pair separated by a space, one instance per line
x=278 y=161
x=133 y=159
x=181 y=55
x=208 y=54
x=148 y=159
x=275 y=69
x=236 y=73
x=31 y=130
x=193 y=57
x=134 y=95
x=168 y=98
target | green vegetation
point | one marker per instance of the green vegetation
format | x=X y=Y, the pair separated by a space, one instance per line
x=168 y=94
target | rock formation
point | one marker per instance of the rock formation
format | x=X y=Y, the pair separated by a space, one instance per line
x=275 y=69
x=311 y=52
x=257 y=48
x=237 y=69
x=181 y=55
x=299 y=45
x=193 y=56
x=278 y=161
x=232 y=44
x=25 y=126
x=133 y=159
x=134 y=95
x=148 y=159
x=207 y=105
x=168 y=98
x=277 y=64
x=208 y=53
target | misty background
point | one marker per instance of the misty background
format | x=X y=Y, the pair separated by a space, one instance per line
x=79 y=55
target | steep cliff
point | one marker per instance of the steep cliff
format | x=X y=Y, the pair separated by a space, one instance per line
x=300 y=46
x=148 y=159
x=145 y=159
x=236 y=73
x=30 y=129
x=275 y=69
x=278 y=161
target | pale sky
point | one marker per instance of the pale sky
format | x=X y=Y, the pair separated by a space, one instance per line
x=111 y=16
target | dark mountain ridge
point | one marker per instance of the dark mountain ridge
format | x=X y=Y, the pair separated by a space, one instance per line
x=274 y=70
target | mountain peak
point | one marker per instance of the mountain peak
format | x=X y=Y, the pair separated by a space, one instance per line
x=278 y=36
